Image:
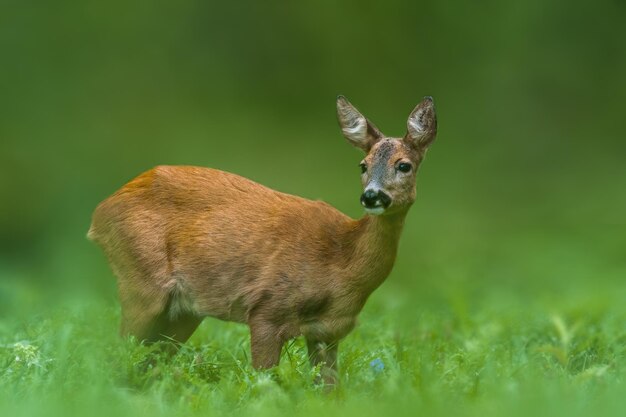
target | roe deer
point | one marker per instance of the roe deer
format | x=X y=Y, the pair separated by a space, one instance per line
x=188 y=242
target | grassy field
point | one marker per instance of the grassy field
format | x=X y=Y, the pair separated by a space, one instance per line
x=519 y=320
x=507 y=298
x=408 y=361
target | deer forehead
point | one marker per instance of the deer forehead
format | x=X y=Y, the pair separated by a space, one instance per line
x=388 y=151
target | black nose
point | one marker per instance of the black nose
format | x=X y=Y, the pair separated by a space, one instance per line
x=373 y=199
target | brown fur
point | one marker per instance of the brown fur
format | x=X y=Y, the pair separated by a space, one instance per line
x=188 y=242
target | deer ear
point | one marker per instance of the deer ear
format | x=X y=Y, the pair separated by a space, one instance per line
x=359 y=131
x=422 y=125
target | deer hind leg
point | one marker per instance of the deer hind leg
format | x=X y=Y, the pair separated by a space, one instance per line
x=142 y=311
x=152 y=307
x=180 y=328
x=151 y=316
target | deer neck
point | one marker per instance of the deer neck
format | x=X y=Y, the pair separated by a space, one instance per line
x=375 y=243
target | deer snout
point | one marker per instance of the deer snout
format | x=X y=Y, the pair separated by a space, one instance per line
x=375 y=199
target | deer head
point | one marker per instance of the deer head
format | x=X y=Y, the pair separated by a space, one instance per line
x=388 y=171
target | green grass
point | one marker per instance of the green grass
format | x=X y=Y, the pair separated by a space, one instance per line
x=504 y=301
x=402 y=360
x=485 y=314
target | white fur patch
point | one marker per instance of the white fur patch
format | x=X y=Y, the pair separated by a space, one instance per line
x=375 y=211
x=181 y=302
x=416 y=125
x=357 y=131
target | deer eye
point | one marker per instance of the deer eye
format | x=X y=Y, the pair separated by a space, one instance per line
x=363 y=167
x=404 y=167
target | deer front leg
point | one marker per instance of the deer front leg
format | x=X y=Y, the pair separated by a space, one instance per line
x=266 y=345
x=326 y=354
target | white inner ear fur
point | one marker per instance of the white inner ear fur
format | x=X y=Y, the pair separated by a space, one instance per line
x=357 y=131
x=416 y=129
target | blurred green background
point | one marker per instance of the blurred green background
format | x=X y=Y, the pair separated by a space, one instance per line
x=521 y=199
x=524 y=190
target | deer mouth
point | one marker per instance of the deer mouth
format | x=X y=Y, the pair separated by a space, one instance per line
x=375 y=201
x=375 y=211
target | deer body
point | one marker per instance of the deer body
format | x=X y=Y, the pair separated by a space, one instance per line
x=189 y=242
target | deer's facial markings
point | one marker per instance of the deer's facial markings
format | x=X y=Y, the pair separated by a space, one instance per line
x=388 y=171
x=388 y=176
